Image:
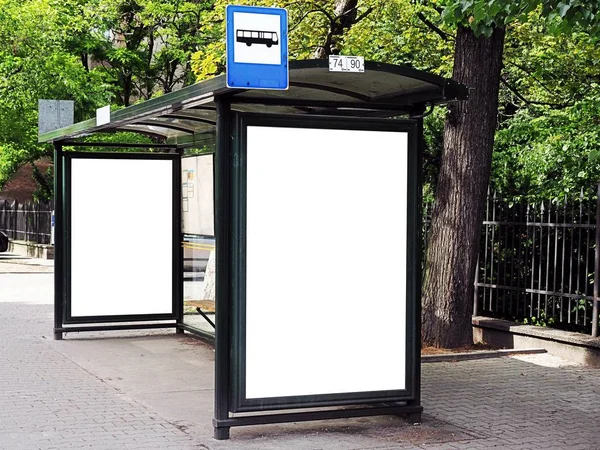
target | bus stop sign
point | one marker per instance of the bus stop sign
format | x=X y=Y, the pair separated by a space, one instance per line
x=257 y=47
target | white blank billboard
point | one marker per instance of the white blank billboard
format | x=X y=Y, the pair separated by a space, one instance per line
x=326 y=261
x=121 y=237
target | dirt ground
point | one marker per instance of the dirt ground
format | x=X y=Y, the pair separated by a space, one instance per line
x=465 y=349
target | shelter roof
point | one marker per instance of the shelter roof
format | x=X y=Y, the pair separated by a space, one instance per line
x=188 y=116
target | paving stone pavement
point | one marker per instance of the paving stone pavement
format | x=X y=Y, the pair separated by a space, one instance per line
x=154 y=392
x=48 y=402
x=513 y=404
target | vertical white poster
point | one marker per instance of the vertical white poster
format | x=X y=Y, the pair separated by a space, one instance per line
x=326 y=261
x=121 y=237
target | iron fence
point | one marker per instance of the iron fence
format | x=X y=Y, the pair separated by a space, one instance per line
x=26 y=221
x=537 y=262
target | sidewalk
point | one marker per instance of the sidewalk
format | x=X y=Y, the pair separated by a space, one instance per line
x=154 y=391
x=12 y=263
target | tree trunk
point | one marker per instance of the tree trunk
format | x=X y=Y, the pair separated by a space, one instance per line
x=344 y=17
x=210 y=278
x=127 y=84
x=453 y=243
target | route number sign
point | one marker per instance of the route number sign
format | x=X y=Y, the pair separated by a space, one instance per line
x=339 y=63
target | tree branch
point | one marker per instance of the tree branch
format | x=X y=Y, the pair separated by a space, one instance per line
x=518 y=66
x=305 y=15
x=532 y=102
x=432 y=26
x=363 y=15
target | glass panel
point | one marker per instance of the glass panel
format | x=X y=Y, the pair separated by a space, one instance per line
x=198 y=288
x=198 y=241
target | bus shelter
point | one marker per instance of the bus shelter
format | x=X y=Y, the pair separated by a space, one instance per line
x=317 y=224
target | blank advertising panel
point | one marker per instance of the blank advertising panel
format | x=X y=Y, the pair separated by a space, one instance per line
x=121 y=237
x=326 y=252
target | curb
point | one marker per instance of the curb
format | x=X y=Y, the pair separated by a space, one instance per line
x=485 y=354
x=25 y=260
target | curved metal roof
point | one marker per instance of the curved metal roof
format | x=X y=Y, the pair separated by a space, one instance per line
x=187 y=116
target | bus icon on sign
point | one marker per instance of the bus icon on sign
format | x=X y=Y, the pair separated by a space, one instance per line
x=250 y=37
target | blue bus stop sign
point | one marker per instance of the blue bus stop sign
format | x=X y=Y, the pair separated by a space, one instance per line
x=257 y=47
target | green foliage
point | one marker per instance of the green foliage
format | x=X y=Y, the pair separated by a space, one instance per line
x=144 y=46
x=548 y=143
x=434 y=138
x=44 y=184
x=388 y=31
x=99 y=51
x=394 y=33
x=483 y=15
x=539 y=321
x=91 y=51
x=307 y=28
x=117 y=138
x=35 y=63
x=549 y=153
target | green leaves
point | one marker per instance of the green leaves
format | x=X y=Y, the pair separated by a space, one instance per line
x=481 y=15
x=36 y=62
x=563 y=8
x=91 y=51
x=548 y=153
x=548 y=143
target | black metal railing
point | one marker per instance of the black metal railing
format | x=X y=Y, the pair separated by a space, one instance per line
x=26 y=221
x=536 y=262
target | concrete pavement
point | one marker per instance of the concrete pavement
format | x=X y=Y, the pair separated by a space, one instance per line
x=154 y=390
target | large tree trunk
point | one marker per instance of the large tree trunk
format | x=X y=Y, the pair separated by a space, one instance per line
x=453 y=243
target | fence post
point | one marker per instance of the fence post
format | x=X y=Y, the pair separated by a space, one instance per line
x=596 y=269
x=18 y=219
x=476 y=290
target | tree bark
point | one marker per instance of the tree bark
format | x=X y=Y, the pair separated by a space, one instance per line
x=344 y=17
x=453 y=243
x=210 y=278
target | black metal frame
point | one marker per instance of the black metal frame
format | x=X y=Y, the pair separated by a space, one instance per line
x=230 y=285
x=62 y=300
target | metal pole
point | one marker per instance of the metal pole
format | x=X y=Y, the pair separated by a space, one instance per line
x=417 y=115
x=222 y=264
x=58 y=242
x=476 y=290
x=177 y=247
x=595 y=311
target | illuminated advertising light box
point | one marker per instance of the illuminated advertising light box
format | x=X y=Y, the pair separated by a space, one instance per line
x=325 y=304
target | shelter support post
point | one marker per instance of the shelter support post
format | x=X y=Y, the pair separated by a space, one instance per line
x=177 y=247
x=58 y=241
x=223 y=207
x=417 y=114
